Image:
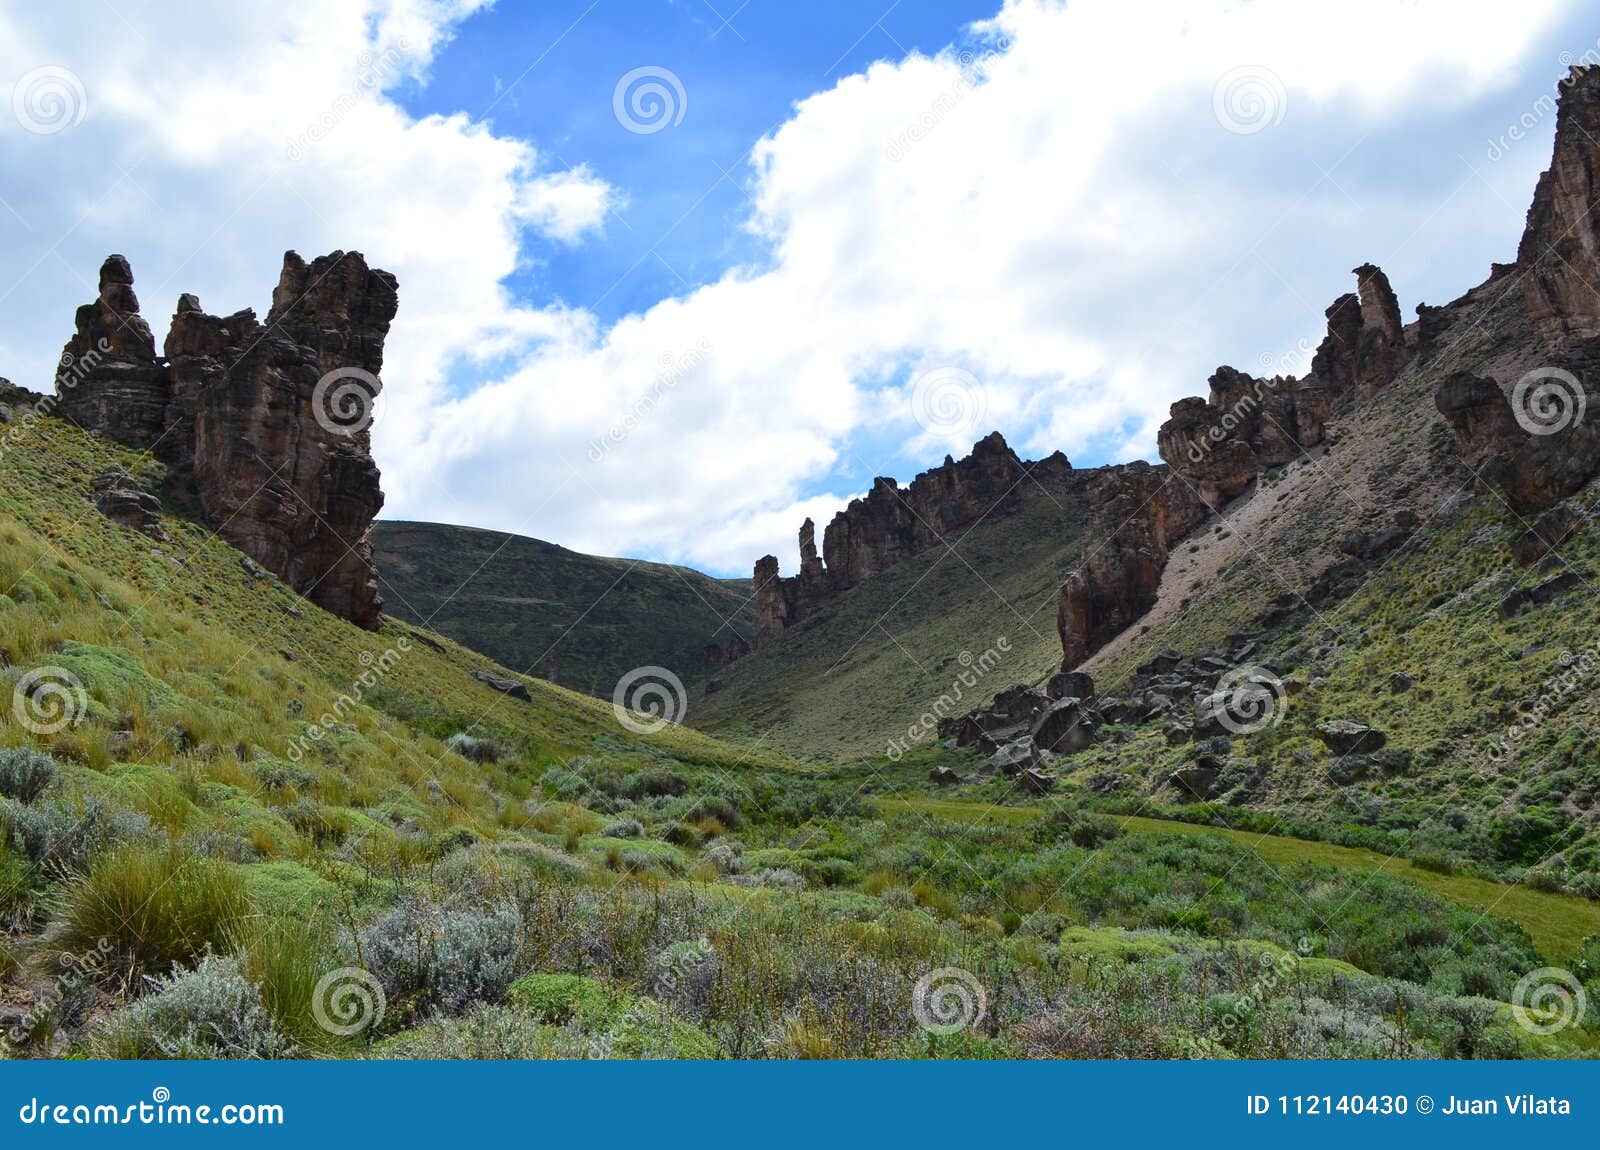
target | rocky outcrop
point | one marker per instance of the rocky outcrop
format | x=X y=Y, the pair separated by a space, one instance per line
x=264 y=427
x=118 y=496
x=887 y=526
x=1479 y=415
x=1138 y=512
x=279 y=452
x=1221 y=444
x=1541 y=444
x=1560 y=251
x=720 y=654
x=110 y=379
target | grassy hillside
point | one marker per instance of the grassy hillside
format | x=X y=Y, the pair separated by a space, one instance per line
x=536 y=878
x=520 y=600
x=857 y=674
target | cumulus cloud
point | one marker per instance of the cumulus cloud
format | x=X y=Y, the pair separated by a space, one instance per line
x=1082 y=208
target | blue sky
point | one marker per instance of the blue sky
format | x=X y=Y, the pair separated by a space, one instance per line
x=874 y=235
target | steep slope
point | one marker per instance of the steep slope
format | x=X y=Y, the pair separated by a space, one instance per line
x=523 y=602
x=962 y=618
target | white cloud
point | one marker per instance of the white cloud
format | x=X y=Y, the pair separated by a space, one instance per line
x=1063 y=216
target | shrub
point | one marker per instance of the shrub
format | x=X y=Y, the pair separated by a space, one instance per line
x=560 y=998
x=153 y=908
x=212 y=1011
x=282 y=775
x=485 y=1033
x=25 y=773
x=476 y=749
x=69 y=832
x=623 y=829
x=429 y=954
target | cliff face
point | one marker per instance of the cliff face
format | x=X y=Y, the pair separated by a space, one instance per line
x=1138 y=511
x=264 y=426
x=888 y=525
x=1560 y=250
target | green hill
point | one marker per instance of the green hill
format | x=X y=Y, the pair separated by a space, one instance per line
x=217 y=802
x=521 y=601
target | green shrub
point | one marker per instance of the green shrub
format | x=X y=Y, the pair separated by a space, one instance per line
x=153 y=908
x=560 y=998
x=485 y=1033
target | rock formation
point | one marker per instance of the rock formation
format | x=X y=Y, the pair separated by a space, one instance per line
x=888 y=525
x=110 y=379
x=1247 y=425
x=1560 y=251
x=1138 y=512
x=264 y=427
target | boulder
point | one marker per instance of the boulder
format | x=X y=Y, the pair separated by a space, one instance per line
x=120 y=499
x=1035 y=782
x=1345 y=737
x=512 y=687
x=1070 y=685
x=1013 y=758
x=943 y=776
x=1066 y=728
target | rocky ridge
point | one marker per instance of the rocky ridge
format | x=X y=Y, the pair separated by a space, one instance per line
x=890 y=524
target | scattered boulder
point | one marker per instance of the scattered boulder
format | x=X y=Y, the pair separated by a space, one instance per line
x=1066 y=727
x=1400 y=682
x=1548 y=532
x=1197 y=780
x=120 y=499
x=943 y=776
x=511 y=687
x=1035 y=782
x=1345 y=737
x=1070 y=685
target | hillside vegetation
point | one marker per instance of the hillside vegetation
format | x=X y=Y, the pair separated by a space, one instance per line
x=521 y=601
x=187 y=871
